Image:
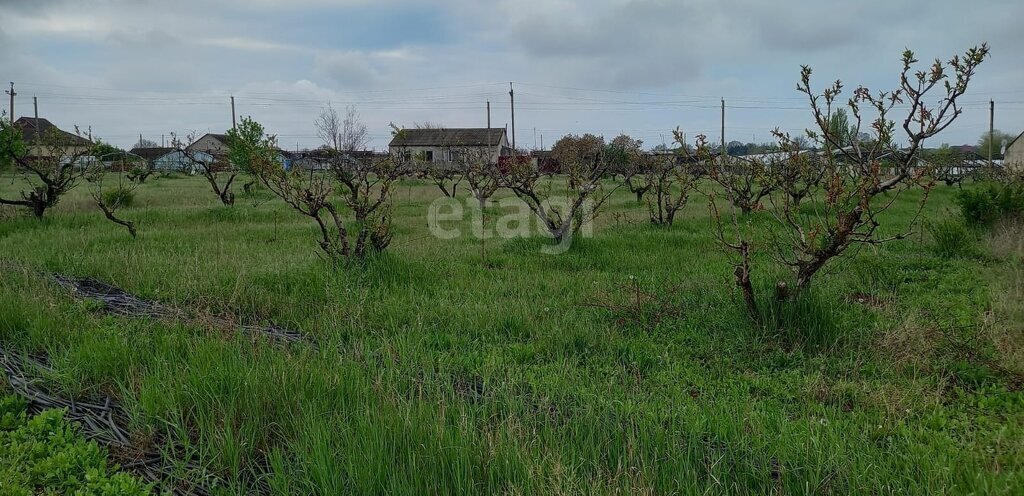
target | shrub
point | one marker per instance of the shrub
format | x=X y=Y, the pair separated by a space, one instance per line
x=46 y=454
x=951 y=238
x=984 y=206
x=118 y=197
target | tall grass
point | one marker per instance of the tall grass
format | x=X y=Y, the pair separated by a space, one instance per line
x=444 y=371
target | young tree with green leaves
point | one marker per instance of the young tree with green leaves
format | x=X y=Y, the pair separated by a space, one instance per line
x=52 y=163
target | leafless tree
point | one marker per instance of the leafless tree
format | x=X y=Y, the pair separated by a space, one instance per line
x=746 y=182
x=672 y=178
x=111 y=200
x=219 y=172
x=583 y=163
x=344 y=134
x=862 y=180
x=481 y=174
x=310 y=194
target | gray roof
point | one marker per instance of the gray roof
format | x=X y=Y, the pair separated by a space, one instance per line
x=28 y=127
x=151 y=153
x=475 y=136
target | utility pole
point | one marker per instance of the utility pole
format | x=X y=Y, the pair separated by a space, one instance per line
x=234 y=122
x=12 y=93
x=512 y=105
x=722 y=152
x=140 y=140
x=488 y=114
x=991 y=129
x=35 y=112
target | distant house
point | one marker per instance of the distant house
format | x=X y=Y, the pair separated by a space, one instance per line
x=447 y=145
x=45 y=140
x=1014 y=156
x=171 y=159
x=211 y=143
x=216 y=145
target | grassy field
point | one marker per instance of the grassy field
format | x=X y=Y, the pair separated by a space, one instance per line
x=442 y=369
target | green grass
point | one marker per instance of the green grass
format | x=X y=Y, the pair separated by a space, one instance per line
x=441 y=372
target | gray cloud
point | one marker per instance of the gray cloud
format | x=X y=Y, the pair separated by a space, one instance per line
x=173 y=66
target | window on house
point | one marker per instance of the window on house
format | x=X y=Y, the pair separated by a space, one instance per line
x=428 y=156
x=454 y=155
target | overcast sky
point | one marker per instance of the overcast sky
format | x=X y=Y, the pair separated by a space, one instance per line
x=603 y=66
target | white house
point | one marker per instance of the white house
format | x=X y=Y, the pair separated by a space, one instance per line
x=1013 y=158
x=172 y=159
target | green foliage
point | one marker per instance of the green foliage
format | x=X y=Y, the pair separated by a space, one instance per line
x=985 y=205
x=951 y=238
x=997 y=140
x=119 y=197
x=12 y=144
x=251 y=150
x=46 y=454
x=105 y=151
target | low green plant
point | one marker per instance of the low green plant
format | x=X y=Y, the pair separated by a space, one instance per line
x=952 y=238
x=119 y=197
x=46 y=454
x=984 y=206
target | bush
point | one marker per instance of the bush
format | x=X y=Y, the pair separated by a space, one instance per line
x=46 y=454
x=984 y=206
x=952 y=238
x=119 y=197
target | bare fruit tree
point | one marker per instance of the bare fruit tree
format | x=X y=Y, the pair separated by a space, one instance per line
x=563 y=208
x=672 y=179
x=111 y=200
x=862 y=179
x=481 y=174
x=746 y=182
x=310 y=194
x=446 y=176
x=52 y=161
x=219 y=172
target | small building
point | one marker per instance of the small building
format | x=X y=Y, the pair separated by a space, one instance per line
x=172 y=159
x=211 y=143
x=445 y=146
x=46 y=140
x=1013 y=157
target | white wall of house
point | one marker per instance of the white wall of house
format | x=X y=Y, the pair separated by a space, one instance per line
x=444 y=154
x=1014 y=157
x=177 y=161
x=209 y=144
